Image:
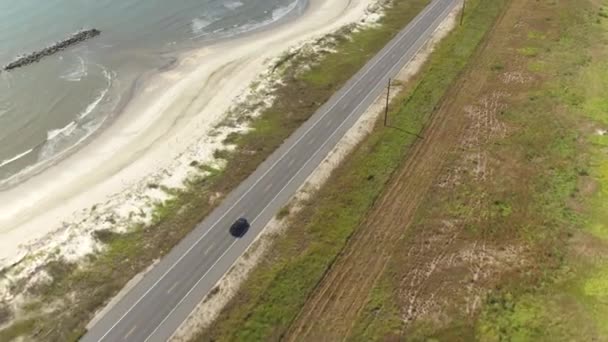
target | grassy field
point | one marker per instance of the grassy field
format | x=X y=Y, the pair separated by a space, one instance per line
x=278 y=288
x=492 y=228
x=517 y=217
x=61 y=308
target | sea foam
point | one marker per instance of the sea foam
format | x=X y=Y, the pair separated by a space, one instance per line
x=15 y=158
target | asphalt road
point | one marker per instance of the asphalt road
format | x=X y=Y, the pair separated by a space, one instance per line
x=154 y=308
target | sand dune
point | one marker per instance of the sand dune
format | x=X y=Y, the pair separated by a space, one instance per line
x=164 y=127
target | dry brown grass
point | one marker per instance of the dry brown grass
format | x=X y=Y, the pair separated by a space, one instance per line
x=479 y=206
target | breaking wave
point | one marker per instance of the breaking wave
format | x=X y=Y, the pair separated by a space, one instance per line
x=232 y=5
x=199 y=24
x=99 y=98
x=61 y=132
x=281 y=12
x=15 y=158
x=78 y=73
x=276 y=15
x=62 y=140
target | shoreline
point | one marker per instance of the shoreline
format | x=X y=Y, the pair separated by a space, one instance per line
x=152 y=143
x=171 y=60
x=107 y=239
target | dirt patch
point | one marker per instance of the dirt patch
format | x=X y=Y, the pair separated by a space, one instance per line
x=453 y=224
x=587 y=186
x=5 y=314
x=467 y=239
x=588 y=247
x=342 y=293
x=330 y=312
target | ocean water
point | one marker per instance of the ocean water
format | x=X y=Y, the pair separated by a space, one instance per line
x=49 y=108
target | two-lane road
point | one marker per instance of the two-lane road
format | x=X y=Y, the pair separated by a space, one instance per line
x=160 y=302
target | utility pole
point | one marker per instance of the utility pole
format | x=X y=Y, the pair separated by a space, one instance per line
x=464 y=2
x=388 y=91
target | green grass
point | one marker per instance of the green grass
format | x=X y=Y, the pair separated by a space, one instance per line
x=284 y=212
x=593 y=85
x=127 y=254
x=276 y=290
x=597 y=285
x=352 y=52
x=564 y=295
x=5 y=313
x=380 y=306
x=18 y=329
x=530 y=318
x=532 y=35
x=572 y=308
x=529 y=51
x=598 y=222
x=497 y=66
x=571 y=302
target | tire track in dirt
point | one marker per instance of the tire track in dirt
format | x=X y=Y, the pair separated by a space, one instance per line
x=331 y=311
x=441 y=262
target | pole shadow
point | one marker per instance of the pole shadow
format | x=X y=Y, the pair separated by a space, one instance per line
x=405 y=131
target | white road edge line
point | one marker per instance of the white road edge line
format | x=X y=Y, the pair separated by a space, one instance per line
x=378 y=59
x=192 y=289
x=333 y=133
x=278 y=193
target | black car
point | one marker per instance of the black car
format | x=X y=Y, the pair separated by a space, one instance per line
x=239 y=227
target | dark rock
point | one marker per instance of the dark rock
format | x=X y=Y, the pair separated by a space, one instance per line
x=36 y=56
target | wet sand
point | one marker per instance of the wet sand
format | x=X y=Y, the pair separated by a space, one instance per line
x=169 y=113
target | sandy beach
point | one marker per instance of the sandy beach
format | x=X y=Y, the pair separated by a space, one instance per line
x=163 y=129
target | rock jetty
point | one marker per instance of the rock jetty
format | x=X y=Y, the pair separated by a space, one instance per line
x=36 y=56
